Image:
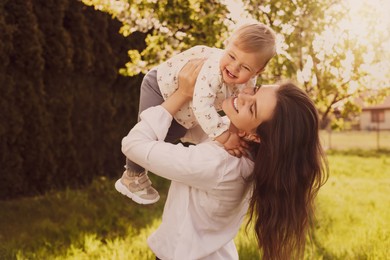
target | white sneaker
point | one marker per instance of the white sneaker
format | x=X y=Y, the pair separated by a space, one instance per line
x=138 y=188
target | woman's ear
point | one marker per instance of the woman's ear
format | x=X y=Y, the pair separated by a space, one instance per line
x=253 y=138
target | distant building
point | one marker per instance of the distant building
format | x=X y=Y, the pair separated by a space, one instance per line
x=376 y=116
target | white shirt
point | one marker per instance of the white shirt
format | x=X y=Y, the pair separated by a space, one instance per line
x=208 y=197
x=209 y=91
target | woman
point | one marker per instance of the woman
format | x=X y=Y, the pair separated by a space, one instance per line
x=212 y=190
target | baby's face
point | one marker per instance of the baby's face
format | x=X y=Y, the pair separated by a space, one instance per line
x=237 y=66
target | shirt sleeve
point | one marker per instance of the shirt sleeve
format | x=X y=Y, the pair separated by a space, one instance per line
x=207 y=85
x=199 y=166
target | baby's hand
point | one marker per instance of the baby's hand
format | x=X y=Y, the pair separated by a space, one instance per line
x=232 y=142
x=235 y=145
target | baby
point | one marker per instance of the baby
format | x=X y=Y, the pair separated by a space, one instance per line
x=223 y=74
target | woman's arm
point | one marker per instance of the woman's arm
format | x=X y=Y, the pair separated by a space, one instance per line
x=190 y=165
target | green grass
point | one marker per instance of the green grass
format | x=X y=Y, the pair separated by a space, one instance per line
x=354 y=207
x=94 y=223
x=353 y=210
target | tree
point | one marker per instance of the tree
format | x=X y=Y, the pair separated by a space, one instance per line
x=328 y=59
x=171 y=26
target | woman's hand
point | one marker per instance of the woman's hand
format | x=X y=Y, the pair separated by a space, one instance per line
x=187 y=77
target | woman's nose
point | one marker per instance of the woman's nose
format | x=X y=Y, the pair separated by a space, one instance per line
x=244 y=98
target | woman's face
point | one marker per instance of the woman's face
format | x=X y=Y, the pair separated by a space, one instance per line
x=249 y=109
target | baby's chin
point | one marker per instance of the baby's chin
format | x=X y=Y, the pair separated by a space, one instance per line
x=228 y=80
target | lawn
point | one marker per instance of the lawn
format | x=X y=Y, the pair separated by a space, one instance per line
x=353 y=210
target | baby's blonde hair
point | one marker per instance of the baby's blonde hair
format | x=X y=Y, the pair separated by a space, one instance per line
x=255 y=38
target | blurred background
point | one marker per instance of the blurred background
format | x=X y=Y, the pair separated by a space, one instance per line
x=70 y=73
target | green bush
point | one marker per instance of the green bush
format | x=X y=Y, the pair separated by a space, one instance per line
x=65 y=108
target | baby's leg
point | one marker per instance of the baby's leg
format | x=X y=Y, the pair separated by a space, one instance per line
x=135 y=182
x=150 y=96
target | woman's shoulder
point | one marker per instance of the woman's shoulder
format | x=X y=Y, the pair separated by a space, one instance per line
x=226 y=164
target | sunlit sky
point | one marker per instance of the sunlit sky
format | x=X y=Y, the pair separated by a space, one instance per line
x=370 y=19
x=361 y=14
x=357 y=22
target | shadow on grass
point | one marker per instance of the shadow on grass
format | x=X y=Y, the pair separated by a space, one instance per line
x=53 y=222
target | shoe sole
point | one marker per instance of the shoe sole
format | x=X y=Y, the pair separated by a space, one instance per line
x=124 y=191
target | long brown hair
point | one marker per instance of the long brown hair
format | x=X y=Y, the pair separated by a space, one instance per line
x=290 y=167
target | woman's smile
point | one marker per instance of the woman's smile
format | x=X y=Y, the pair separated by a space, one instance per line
x=234 y=101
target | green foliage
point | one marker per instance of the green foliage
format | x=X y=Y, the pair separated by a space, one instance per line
x=171 y=26
x=99 y=223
